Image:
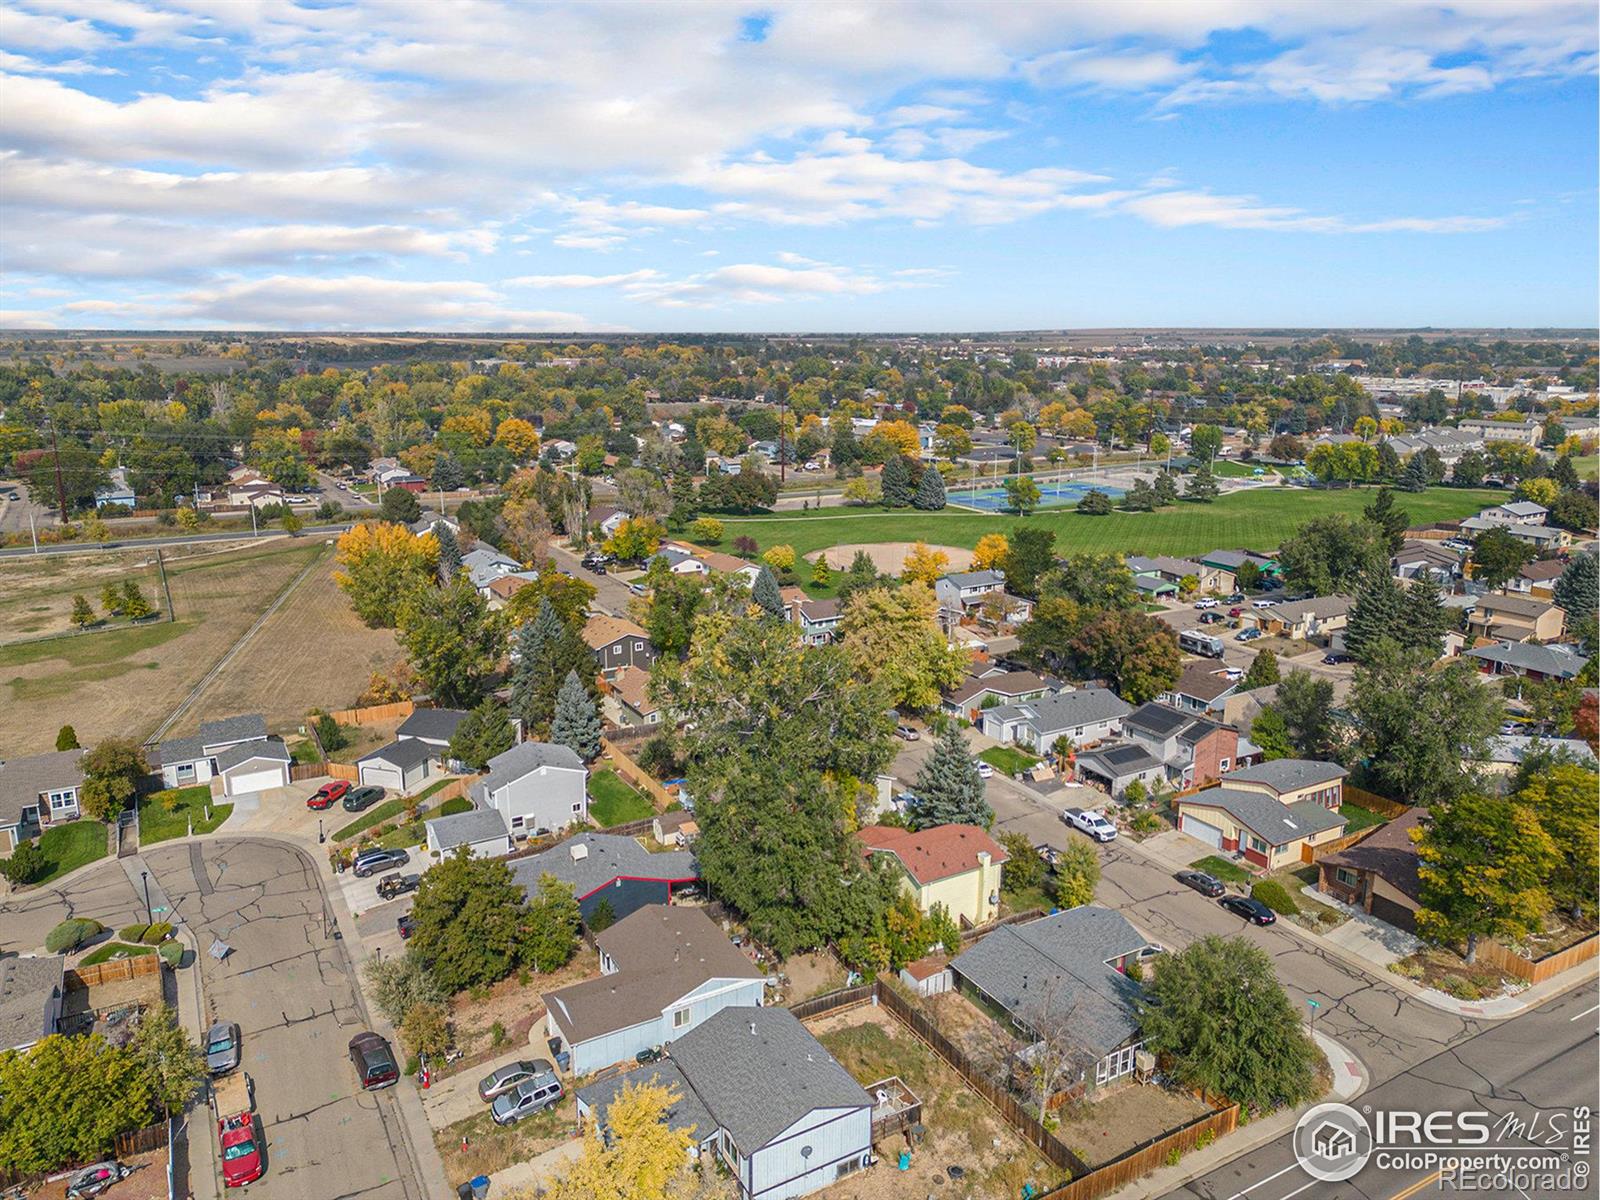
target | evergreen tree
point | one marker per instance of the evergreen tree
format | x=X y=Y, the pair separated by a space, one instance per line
x=1389 y=467
x=1565 y=474
x=603 y=917
x=896 y=482
x=765 y=593
x=1378 y=612
x=861 y=576
x=400 y=506
x=1470 y=469
x=547 y=649
x=1201 y=487
x=685 y=503
x=483 y=733
x=111 y=599
x=929 y=496
x=1140 y=498
x=134 y=606
x=1577 y=592
x=949 y=788
x=1095 y=503
x=448 y=475
x=1393 y=521
x=576 y=723
x=82 y=612
x=1415 y=477
x=1424 y=620
x=1166 y=488
x=449 y=551
x=67 y=738
x=1263 y=671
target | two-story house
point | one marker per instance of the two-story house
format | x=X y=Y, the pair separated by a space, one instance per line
x=986 y=689
x=958 y=866
x=1193 y=749
x=817 y=620
x=484 y=565
x=618 y=643
x=1084 y=716
x=36 y=792
x=1515 y=619
x=536 y=786
x=962 y=591
x=1268 y=813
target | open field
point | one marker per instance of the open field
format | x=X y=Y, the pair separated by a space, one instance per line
x=1258 y=518
x=126 y=681
x=38 y=591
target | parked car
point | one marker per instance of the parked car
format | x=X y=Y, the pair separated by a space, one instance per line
x=512 y=1076
x=528 y=1098
x=370 y=862
x=241 y=1152
x=1236 y=612
x=1247 y=635
x=222 y=1048
x=327 y=795
x=985 y=771
x=374 y=1061
x=1233 y=674
x=906 y=734
x=1208 y=602
x=1206 y=885
x=1211 y=618
x=397 y=884
x=1263 y=604
x=405 y=924
x=1092 y=822
x=1251 y=910
x=1336 y=660
x=362 y=797
x=1235 y=598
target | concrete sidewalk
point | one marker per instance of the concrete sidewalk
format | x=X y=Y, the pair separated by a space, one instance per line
x=456 y=1098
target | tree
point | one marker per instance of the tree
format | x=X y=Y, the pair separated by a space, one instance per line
x=26 y=864
x=1030 y=554
x=1095 y=503
x=1139 y=498
x=82 y=612
x=1022 y=494
x=547 y=649
x=1248 y=576
x=924 y=564
x=897 y=482
x=1025 y=866
x=1271 y=733
x=519 y=437
x=708 y=531
x=1424 y=620
x=990 y=552
x=134 y=606
x=602 y=918
x=641 y=1156
x=635 y=539
x=568 y=595
x=1577 y=591
x=292 y=524
x=1470 y=469
x=452 y=639
x=1263 y=671
x=483 y=733
x=1574 y=511
x=1077 y=874
x=401 y=983
x=821 y=576
x=949 y=789
x=1497 y=556
x=1137 y=653
x=765 y=593
x=890 y=638
x=468 y=916
x=929 y=496
x=380 y=565
x=1329 y=555
x=111 y=774
x=1483 y=863
x=1562 y=796
x=448 y=474
x=1205 y=442
x=65 y=1100
x=1218 y=1011
x=1165 y=488
x=862 y=490
x=1046 y=639
x=1418 y=726
x=449 y=551
x=111 y=598
x=1305 y=702
x=1202 y=487
x=173 y=1065
x=1542 y=492
x=400 y=506
x=1375 y=616
x=1093 y=580
x=550 y=932
x=576 y=723
x=1391 y=520
x=67 y=738
x=1414 y=478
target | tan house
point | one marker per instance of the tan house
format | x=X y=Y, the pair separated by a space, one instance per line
x=627 y=699
x=1317 y=619
x=958 y=866
x=1537 y=580
x=1516 y=619
x=1269 y=814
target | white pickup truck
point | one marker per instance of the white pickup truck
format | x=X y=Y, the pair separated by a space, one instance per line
x=1092 y=822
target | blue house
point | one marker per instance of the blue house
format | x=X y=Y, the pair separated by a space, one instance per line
x=118 y=494
x=602 y=866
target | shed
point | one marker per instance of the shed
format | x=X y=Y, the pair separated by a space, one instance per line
x=401 y=765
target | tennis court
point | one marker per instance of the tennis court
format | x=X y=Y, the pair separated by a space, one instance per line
x=1055 y=494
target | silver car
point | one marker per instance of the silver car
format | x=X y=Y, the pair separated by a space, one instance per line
x=222 y=1048
x=528 y=1098
x=513 y=1075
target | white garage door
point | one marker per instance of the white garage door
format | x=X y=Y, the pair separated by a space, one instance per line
x=1196 y=828
x=254 y=781
x=389 y=777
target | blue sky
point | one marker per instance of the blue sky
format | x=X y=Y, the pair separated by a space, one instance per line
x=918 y=166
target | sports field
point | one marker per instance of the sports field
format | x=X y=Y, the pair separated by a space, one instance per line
x=1051 y=495
x=1258 y=518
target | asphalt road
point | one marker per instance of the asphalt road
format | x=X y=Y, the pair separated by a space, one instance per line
x=611 y=596
x=1239 y=654
x=192 y=539
x=1534 y=1068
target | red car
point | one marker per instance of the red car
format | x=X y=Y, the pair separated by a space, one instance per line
x=241 y=1153
x=328 y=795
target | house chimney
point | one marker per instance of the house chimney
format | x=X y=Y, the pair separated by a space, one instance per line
x=983 y=859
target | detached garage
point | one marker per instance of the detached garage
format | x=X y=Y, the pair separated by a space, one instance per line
x=400 y=766
x=253 y=767
x=482 y=831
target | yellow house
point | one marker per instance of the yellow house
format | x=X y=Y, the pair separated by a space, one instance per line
x=957 y=866
x=1268 y=812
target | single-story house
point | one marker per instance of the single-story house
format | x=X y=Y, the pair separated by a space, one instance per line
x=1515 y=619
x=536 y=786
x=236 y=748
x=485 y=564
x=1507 y=752
x=617 y=643
x=1176 y=570
x=432 y=522
x=1379 y=873
x=1538 y=579
x=958 y=866
x=1202 y=688
x=1193 y=749
x=1086 y=716
x=402 y=766
x=687 y=1112
x=1418 y=558
x=618 y=870
x=1119 y=764
x=118 y=493
x=483 y=831
x=36 y=792
x=1154 y=587
x=1533 y=661
x=681 y=560
x=1069 y=968
x=977 y=693
x=664 y=970
x=626 y=700
x=1231 y=560
x=501 y=589
x=1306 y=620
x=728 y=564
x=31 y=991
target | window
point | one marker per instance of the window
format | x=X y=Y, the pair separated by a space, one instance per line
x=516 y=822
x=186 y=772
x=1115 y=1065
x=577 y=810
x=1257 y=844
x=1224 y=764
x=1347 y=877
x=847 y=1167
x=638 y=645
x=680 y=1018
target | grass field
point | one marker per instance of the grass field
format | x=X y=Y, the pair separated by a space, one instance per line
x=612 y=802
x=156 y=824
x=1359 y=818
x=1259 y=519
x=70 y=846
x=38 y=592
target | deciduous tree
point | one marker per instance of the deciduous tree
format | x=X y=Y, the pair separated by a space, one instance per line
x=65 y=1100
x=380 y=565
x=891 y=639
x=1333 y=554
x=1137 y=653
x=452 y=639
x=1077 y=874
x=991 y=551
x=1305 y=702
x=924 y=564
x=468 y=916
x=1022 y=494
x=1030 y=554
x=1497 y=556
x=111 y=774
x=1562 y=796
x=399 y=506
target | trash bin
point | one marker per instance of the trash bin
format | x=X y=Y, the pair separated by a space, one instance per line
x=480 y=1187
x=464 y=1192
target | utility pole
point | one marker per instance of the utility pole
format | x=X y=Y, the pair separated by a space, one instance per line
x=61 y=488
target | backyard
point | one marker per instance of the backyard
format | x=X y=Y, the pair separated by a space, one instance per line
x=613 y=802
x=166 y=815
x=1100 y=1130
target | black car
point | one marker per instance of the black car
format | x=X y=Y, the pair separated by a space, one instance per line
x=1236 y=598
x=370 y=862
x=1253 y=911
x=362 y=797
x=397 y=884
x=1334 y=660
x=1206 y=885
x=405 y=925
x=374 y=1061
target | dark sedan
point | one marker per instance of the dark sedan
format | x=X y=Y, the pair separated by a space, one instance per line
x=1206 y=885
x=1253 y=911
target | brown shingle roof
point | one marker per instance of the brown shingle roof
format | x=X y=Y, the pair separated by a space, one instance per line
x=1203 y=682
x=1012 y=683
x=632 y=687
x=933 y=854
x=1388 y=853
x=601 y=630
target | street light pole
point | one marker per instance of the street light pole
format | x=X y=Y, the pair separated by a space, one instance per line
x=149 y=915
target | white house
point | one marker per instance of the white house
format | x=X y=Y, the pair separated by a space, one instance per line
x=664 y=970
x=1515 y=512
x=1088 y=715
x=482 y=831
x=402 y=766
x=484 y=565
x=535 y=786
x=118 y=493
x=38 y=791
x=236 y=748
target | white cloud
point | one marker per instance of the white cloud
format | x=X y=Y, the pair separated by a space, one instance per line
x=1175 y=210
x=39 y=31
x=1130 y=71
x=582 y=281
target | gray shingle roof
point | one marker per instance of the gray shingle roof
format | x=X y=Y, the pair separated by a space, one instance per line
x=608 y=856
x=1559 y=660
x=212 y=734
x=463 y=829
x=405 y=754
x=520 y=760
x=966 y=579
x=436 y=723
x=1290 y=774
x=756 y=1085
x=1060 y=961
x=22 y=779
x=1086 y=706
x=245 y=751
x=27 y=985
x=688 y=1113
x=1274 y=822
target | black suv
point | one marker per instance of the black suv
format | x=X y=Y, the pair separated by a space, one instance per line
x=374 y=1061
x=362 y=797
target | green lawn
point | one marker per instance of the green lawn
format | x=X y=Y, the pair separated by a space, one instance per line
x=1008 y=759
x=93 y=650
x=392 y=807
x=1359 y=818
x=1224 y=870
x=414 y=833
x=612 y=802
x=111 y=949
x=70 y=846
x=1227 y=469
x=156 y=824
x=1258 y=519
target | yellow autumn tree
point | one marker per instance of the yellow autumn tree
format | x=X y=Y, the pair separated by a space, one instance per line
x=894 y=436
x=519 y=437
x=779 y=558
x=924 y=564
x=889 y=636
x=380 y=564
x=990 y=552
x=644 y=1154
x=474 y=424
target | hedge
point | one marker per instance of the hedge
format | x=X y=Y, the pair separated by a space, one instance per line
x=1275 y=896
x=157 y=933
x=132 y=933
x=71 y=933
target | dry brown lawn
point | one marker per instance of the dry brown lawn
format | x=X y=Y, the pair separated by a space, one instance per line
x=1097 y=1131
x=38 y=591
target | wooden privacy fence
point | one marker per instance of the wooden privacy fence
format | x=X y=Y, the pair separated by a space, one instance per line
x=346 y=771
x=1310 y=853
x=374 y=714
x=116 y=971
x=1537 y=970
x=152 y=1137
x=1373 y=802
x=636 y=776
x=833 y=1001
x=1147 y=1157
x=302 y=771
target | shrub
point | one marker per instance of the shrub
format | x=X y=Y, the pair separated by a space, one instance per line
x=1275 y=896
x=171 y=801
x=1173 y=1156
x=171 y=953
x=1144 y=821
x=459 y=804
x=132 y=933
x=27 y=863
x=497 y=1033
x=71 y=934
x=1460 y=987
x=157 y=933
